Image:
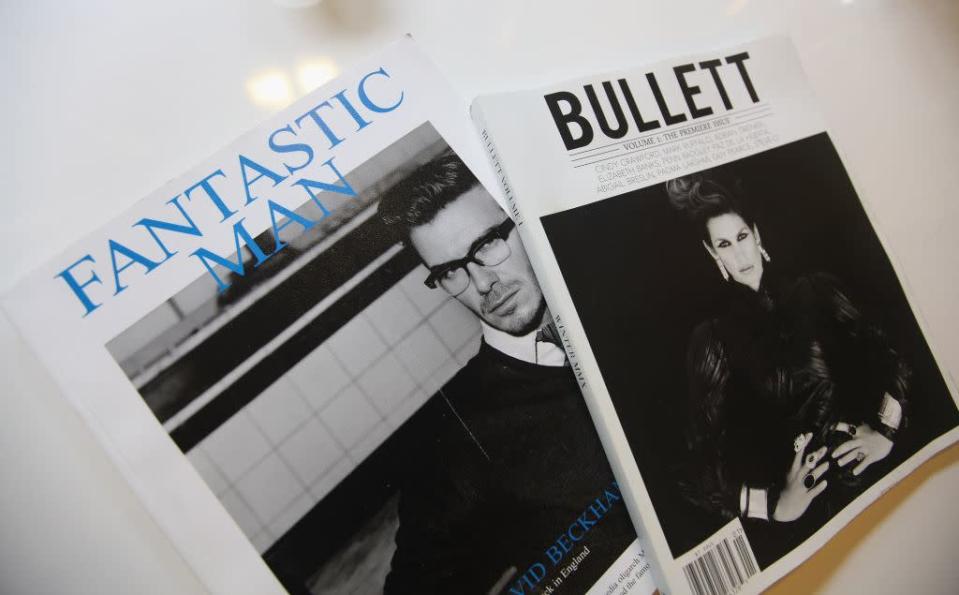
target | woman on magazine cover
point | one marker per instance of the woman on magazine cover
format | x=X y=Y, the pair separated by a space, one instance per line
x=795 y=397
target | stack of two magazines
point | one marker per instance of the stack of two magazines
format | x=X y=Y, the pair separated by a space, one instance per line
x=372 y=346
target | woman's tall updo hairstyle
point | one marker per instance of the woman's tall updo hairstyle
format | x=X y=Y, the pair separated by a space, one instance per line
x=702 y=196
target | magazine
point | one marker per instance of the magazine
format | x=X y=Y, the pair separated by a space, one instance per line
x=744 y=341
x=322 y=361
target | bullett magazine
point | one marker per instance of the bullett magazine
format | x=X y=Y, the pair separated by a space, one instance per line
x=746 y=346
x=322 y=361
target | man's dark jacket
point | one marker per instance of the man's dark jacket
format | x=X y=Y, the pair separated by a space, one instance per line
x=514 y=461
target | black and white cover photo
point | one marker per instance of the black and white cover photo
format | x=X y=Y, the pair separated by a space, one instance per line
x=381 y=405
x=764 y=360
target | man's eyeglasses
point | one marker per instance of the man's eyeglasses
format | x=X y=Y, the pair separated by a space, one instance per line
x=488 y=250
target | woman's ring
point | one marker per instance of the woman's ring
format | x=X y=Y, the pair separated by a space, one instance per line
x=811 y=460
x=809 y=481
x=841 y=426
x=799 y=442
x=860 y=455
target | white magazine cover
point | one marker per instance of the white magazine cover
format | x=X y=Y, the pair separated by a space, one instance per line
x=746 y=345
x=277 y=353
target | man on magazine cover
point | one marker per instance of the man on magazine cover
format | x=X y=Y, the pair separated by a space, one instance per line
x=514 y=486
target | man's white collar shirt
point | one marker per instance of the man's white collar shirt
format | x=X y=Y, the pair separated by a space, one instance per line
x=525 y=348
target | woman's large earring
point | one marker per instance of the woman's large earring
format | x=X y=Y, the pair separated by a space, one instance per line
x=764 y=253
x=722 y=268
x=712 y=254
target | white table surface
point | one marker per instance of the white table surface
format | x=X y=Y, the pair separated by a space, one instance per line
x=103 y=101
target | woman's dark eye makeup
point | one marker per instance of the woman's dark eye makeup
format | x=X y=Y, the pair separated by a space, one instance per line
x=742 y=236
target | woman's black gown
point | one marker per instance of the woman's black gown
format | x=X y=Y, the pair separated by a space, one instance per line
x=795 y=356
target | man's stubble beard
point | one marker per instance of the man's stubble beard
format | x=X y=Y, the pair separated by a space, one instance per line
x=524 y=327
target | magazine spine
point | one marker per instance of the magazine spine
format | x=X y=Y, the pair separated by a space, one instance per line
x=501 y=177
x=517 y=213
x=559 y=318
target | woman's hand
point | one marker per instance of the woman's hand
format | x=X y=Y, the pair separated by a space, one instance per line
x=867 y=446
x=798 y=492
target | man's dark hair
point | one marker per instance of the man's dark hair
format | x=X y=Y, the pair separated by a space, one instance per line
x=417 y=199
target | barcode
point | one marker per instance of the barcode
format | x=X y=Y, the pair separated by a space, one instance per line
x=723 y=569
